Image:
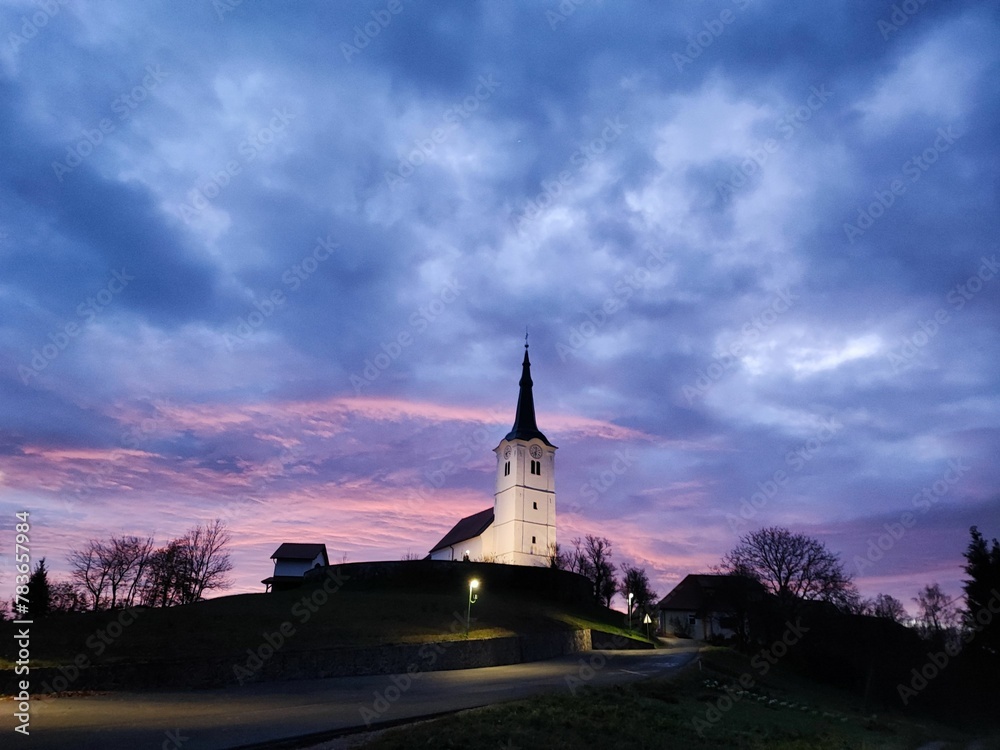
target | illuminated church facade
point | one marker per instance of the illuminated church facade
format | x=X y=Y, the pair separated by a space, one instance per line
x=520 y=528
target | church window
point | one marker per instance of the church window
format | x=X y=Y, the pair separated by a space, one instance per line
x=532 y=540
x=536 y=467
x=533 y=505
x=506 y=469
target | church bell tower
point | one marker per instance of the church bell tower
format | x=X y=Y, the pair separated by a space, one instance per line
x=524 y=506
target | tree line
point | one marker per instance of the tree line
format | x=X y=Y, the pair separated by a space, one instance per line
x=128 y=570
x=945 y=660
x=591 y=558
x=796 y=568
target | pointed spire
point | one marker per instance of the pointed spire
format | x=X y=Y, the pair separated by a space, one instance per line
x=525 y=427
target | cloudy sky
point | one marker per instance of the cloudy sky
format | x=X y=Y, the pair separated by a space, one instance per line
x=274 y=262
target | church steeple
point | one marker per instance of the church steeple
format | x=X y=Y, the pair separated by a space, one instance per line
x=525 y=427
x=524 y=504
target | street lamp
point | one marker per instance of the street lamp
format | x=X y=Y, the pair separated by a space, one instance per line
x=630 y=597
x=473 y=596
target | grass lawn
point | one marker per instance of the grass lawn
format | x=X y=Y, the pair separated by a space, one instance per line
x=781 y=711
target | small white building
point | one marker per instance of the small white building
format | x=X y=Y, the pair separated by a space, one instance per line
x=291 y=561
x=520 y=528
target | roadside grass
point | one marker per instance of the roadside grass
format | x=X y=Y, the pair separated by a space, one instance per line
x=231 y=624
x=687 y=711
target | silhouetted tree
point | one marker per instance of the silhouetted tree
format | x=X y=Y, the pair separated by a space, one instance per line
x=937 y=614
x=66 y=597
x=90 y=569
x=591 y=557
x=578 y=561
x=887 y=607
x=790 y=566
x=129 y=558
x=851 y=602
x=111 y=572
x=183 y=570
x=557 y=558
x=166 y=579
x=127 y=570
x=636 y=582
x=39 y=592
x=207 y=558
x=982 y=590
x=981 y=626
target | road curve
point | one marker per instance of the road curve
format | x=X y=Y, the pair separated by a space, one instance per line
x=236 y=717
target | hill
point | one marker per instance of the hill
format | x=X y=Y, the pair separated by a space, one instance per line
x=355 y=605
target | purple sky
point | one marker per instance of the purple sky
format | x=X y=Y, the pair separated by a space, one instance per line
x=274 y=263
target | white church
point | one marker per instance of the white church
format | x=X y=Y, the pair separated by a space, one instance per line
x=520 y=528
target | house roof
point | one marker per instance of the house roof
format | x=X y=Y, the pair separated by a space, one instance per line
x=699 y=591
x=525 y=427
x=299 y=551
x=467 y=528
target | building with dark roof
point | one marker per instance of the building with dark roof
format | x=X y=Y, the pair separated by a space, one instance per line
x=291 y=561
x=520 y=528
x=706 y=606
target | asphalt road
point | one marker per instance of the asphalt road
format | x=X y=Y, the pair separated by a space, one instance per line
x=236 y=717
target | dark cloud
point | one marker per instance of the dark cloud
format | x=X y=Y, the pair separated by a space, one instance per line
x=357 y=212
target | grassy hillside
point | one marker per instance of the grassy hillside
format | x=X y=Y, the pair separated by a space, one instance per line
x=694 y=711
x=231 y=624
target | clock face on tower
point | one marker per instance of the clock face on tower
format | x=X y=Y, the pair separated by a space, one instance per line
x=536 y=452
x=506 y=452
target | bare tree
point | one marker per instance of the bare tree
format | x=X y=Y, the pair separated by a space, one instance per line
x=558 y=559
x=183 y=570
x=936 y=613
x=129 y=559
x=577 y=560
x=111 y=572
x=166 y=578
x=791 y=566
x=66 y=597
x=89 y=569
x=591 y=557
x=887 y=607
x=206 y=560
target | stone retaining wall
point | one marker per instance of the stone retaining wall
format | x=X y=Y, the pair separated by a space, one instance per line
x=613 y=642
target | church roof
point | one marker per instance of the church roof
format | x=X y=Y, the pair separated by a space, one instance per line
x=299 y=551
x=468 y=528
x=525 y=427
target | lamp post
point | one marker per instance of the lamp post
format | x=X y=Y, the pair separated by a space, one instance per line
x=473 y=596
x=630 y=597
